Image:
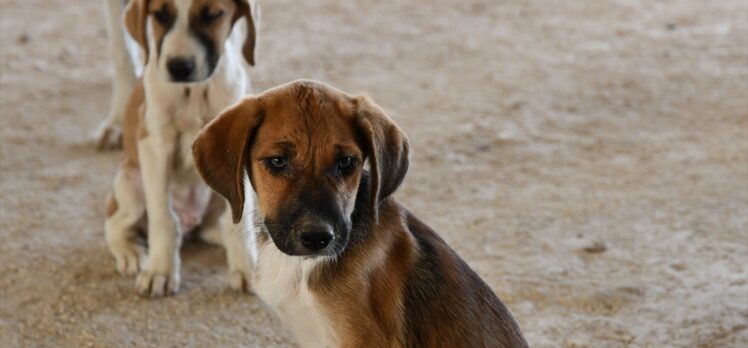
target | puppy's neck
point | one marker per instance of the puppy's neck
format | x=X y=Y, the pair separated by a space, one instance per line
x=363 y=217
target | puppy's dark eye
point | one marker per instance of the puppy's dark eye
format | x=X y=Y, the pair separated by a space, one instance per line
x=346 y=164
x=163 y=16
x=277 y=164
x=208 y=17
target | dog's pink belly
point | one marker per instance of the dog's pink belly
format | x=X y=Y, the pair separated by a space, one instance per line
x=190 y=205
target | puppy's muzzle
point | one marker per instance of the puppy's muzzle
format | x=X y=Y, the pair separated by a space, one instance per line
x=181 y=68
x=308 y=237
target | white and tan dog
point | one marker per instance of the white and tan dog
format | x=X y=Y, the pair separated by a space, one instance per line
x=194 y=67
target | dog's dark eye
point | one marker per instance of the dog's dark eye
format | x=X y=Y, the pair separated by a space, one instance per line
x=163 y=16
x=208 y=17
x=346 y=164
x=277 y=164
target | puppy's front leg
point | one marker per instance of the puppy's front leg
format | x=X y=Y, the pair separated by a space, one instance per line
x=161 y=274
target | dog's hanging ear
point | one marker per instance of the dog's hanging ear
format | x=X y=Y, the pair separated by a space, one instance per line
x=250 y=10
x=221 y=149
x=387 y=150
x=136 y=15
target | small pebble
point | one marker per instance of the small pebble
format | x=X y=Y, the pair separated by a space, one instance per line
x=23 y=38
x=678 y=266
x=483 y=148
x=596 y=247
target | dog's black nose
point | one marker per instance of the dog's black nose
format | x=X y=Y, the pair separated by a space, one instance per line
x=316 y=240
x=181 y=68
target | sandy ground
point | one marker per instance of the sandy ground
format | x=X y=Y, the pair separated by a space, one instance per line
x=588 y=158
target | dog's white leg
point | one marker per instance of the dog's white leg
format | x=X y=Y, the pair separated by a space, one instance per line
x=237 y=239
x=212 y=234
x=109 y=133
x=220 y=229
x=161 y=274
x=210 y=231
x=126 y=208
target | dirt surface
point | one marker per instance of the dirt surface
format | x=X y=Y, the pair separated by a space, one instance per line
x=589 y=159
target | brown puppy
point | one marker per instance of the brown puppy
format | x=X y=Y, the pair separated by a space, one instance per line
x=337 y=258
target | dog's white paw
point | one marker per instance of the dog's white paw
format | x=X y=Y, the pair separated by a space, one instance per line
x=108 y=136
x=160 y=278
x=240 y=281
x=128 y=259
x=157 y=284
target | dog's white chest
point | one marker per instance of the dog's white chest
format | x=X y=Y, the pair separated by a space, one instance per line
x=280 y=281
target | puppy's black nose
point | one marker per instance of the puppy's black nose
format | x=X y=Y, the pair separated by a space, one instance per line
x=181 y=68
x=316 y=240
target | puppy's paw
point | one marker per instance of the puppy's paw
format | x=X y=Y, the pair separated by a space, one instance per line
x=240 y=281
x=157 y=284
x=128 y=259
x=108 y=136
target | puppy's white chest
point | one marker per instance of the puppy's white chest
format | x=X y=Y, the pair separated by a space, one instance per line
x=281 y=282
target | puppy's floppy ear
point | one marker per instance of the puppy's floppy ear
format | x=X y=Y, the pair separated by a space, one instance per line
x=221 y=151
x=249 y=10
x=387 y=149
x=136 y=15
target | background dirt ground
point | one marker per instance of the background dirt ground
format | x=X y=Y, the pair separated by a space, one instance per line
x=588 y=158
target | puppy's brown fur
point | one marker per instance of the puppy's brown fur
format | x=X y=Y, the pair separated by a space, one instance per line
x=395 y=282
